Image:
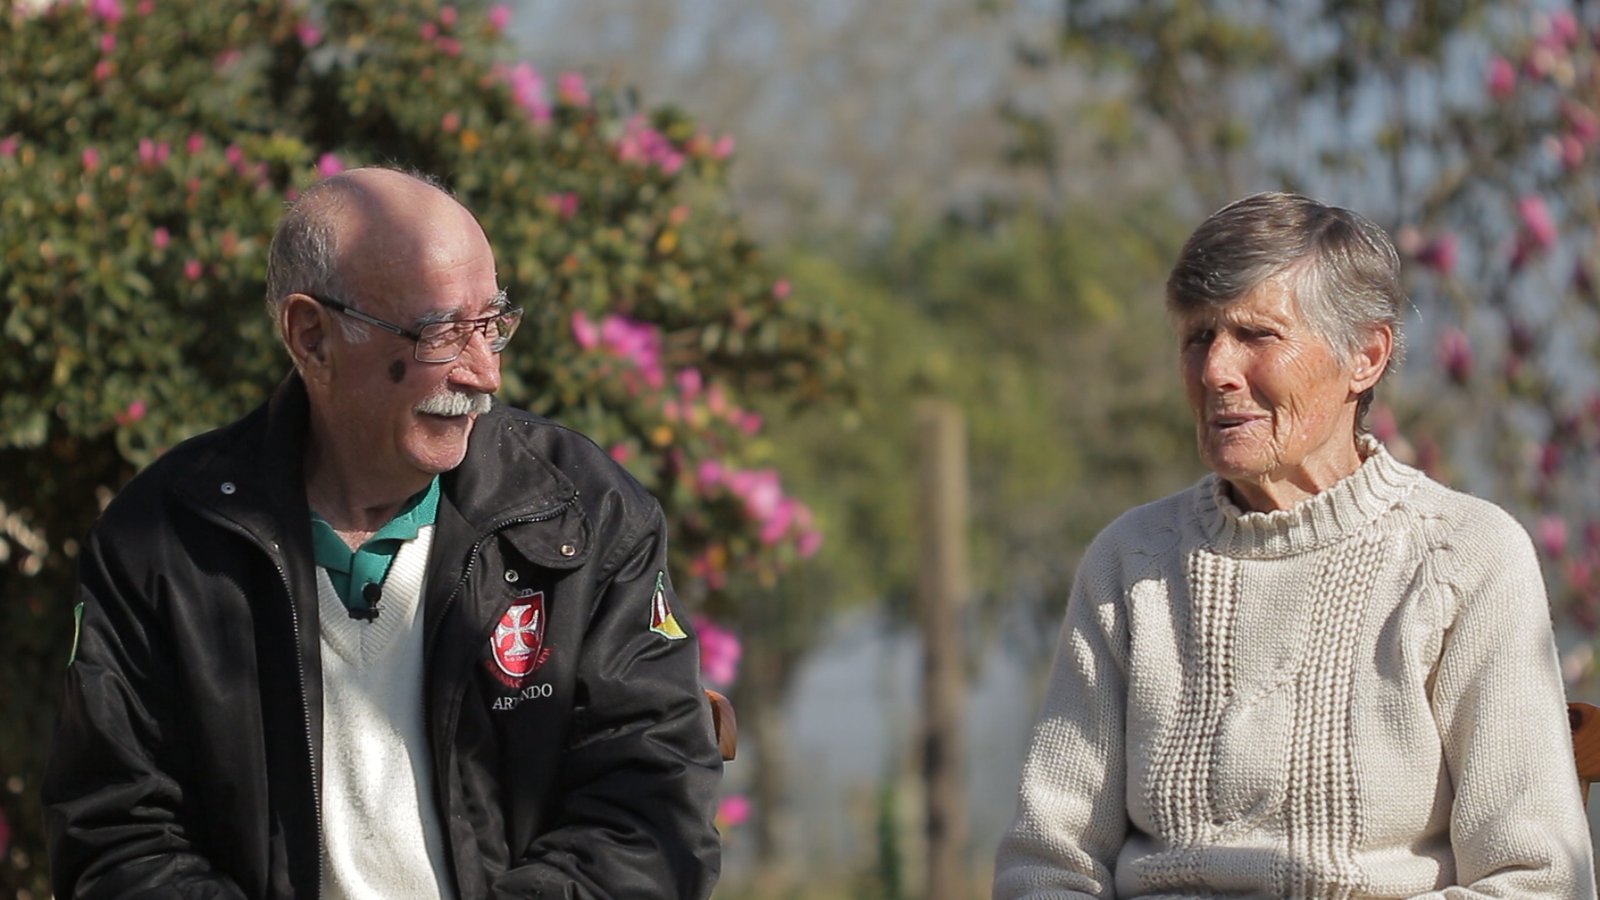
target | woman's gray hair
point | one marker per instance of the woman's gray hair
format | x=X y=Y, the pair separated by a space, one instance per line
x=1341 y=269
x=304 y=256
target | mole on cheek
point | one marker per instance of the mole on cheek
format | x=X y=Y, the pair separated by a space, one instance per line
x=397 y=371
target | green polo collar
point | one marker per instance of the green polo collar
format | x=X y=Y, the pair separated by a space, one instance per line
x=350 y=571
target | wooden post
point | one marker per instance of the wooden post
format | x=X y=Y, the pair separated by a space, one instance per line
x=942 y=592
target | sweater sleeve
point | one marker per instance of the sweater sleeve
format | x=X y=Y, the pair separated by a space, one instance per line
x=1071 y=816
x=1517 y=825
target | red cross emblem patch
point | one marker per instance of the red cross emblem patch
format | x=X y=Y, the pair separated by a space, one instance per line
x=516 y=648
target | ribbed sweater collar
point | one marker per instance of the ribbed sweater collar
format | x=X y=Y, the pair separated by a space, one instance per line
x=1349 y=506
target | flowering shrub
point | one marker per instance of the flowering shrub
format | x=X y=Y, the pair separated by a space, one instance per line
x=1510 y=256
x=146 y=151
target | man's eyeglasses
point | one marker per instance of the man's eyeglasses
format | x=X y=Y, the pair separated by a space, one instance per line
x=440 y=342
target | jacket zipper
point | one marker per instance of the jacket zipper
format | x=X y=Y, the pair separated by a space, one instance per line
x=305 y=707
x=441 y=795
x=300 y=669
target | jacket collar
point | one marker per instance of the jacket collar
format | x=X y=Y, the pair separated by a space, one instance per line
x=254 y=476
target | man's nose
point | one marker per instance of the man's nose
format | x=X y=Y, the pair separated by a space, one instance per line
x=478 y=366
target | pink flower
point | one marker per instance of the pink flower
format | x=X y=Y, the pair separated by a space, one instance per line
x=227 y=58
x=194 y=144
x=750 y=423
x=1552 y=531
x=689 y=382
x=1441 y=253
x=709 y=473
x=160 y=238
x=621 y=453
x=638 y=342
x=719 y=652
x=447 y=16
x=723 y=148
x=132 y=414
x=103 y=70
x=808 y=543
x=328 y=165
x=1455 y=355
x=1581 y=121
x=571 y=89
x=760 y=491
x=146 y=7
x=450 y=122
x=5 y=833
x=1536 y=221
x=108 y=42
x=1564 y=29
x=429 y=31
x=717 y=399
x=499 y=16
x=91 y=159
x=234 y=154
x=191 y=270
x=527 y=89
x=1549 y=459
x=108 y=11
x=308 y=33
x=781 y=288
x=449 y=46
x=565 y=203
x=584 y=331
x=152 y=153
x=1571 y=152
x=777 y=523
x=732 y=811
x=1502 y=80
x=8 y=147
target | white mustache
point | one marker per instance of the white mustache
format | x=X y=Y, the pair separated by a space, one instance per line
x=456 y=403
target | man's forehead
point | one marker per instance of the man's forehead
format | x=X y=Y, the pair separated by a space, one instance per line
x=488 y=306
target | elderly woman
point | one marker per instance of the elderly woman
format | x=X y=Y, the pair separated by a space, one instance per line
x=1316 y=672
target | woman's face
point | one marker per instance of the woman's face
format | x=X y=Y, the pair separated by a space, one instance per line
x=1274 y=405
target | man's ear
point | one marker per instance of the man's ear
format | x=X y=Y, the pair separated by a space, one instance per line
x=305 y=333
x=1371 y=359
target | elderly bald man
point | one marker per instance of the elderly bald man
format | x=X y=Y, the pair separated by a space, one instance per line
x=382 y=637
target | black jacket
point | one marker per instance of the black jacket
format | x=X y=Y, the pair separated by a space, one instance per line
x=186 y=757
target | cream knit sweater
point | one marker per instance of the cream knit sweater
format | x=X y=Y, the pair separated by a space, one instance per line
x=1356 y=697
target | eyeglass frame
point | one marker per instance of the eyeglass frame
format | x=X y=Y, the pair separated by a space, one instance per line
x=479 y=325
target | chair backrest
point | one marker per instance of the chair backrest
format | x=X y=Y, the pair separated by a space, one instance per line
x=1585 y=719
x=727 y=725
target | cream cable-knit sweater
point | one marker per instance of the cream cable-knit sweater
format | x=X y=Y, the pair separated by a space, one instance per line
x=1356 y=697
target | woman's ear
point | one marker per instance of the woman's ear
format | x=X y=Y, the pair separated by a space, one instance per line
x=1371 y=359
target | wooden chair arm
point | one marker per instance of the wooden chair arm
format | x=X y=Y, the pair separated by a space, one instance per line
x=1585 y=720
x=727 y=725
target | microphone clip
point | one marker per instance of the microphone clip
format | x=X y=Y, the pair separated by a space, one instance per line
x=372 y=592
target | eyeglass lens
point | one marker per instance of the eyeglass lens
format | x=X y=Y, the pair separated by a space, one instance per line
x=443 y=341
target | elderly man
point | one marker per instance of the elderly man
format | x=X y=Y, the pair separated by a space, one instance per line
x=381 y=638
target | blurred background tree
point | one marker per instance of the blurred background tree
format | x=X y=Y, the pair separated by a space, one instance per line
x=146 y=151
x=1468 y=129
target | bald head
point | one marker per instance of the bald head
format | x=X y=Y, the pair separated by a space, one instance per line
x=349 y=234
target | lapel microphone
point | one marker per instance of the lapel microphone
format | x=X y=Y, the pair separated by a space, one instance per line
x=372 y=592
